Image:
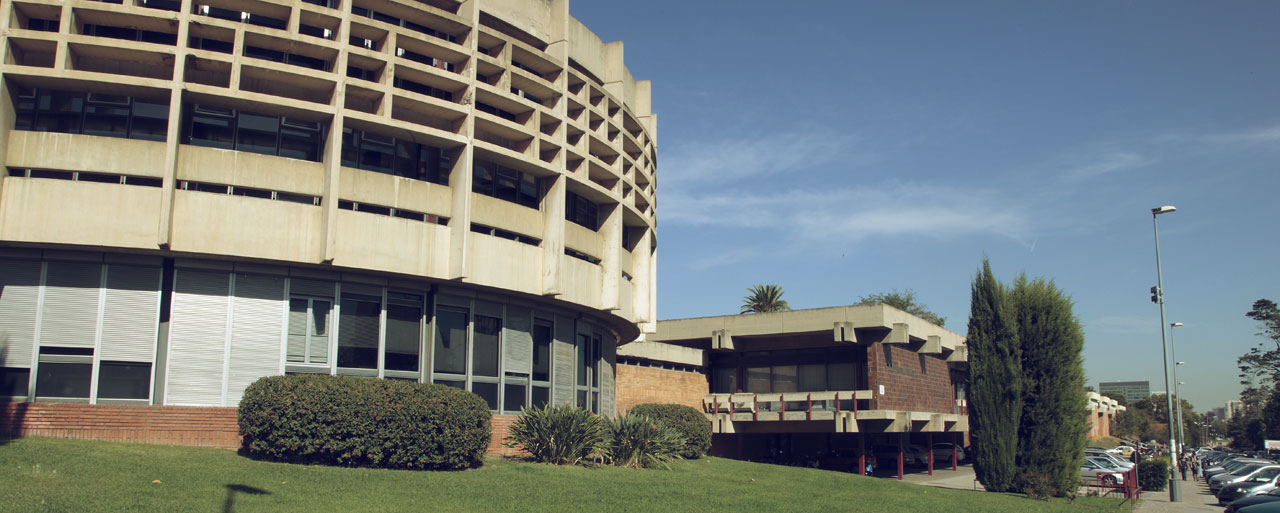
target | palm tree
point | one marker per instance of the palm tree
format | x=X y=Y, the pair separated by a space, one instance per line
x=764 y=298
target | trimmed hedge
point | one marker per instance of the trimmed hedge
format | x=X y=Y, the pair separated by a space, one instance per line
x=362 y=422
x=1153 y=474
x=686 y=420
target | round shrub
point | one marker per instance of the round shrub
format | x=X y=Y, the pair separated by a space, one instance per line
x=349 y=421
x=1153 y=474
x=561 y=435
x=687 y=421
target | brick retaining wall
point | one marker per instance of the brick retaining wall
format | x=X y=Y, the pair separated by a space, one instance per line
x=639 y=385
x=163 y=425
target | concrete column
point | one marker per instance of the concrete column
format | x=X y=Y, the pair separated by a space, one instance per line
x=460 y=178
x=173 y=135
x=640 y=283
x=553 y=235
x=332 y=162
x=610 y=259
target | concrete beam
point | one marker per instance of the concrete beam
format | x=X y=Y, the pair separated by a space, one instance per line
x=722 y=340
x=898 y=335
x=843 y=332
x=931 y=345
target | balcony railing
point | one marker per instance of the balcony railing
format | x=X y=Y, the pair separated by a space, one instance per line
x=788 y=405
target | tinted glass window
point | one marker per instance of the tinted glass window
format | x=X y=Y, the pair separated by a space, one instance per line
x=485 y=352
x=404 y=321
x=451 y=341
x=123 y=380
x=358 y=331
x=63 y=380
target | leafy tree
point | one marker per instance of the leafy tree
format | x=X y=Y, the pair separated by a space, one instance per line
x=1052 y=429
x=1263 y=362
x=764 y=298
x=995 y=374
x=905 y=301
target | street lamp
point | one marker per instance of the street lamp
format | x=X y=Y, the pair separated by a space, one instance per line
x=1175 y=491
x=1177 y=393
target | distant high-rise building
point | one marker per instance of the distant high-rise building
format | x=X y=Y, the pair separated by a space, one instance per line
x=1233 y=407
x=1132 y=391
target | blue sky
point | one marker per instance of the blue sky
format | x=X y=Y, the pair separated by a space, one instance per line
x=846 y=148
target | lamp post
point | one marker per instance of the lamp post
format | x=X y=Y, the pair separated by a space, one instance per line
x=1175 y=490
x=1177 y=392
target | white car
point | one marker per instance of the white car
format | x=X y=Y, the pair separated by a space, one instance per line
x=1096 y=470
x=1114 y=460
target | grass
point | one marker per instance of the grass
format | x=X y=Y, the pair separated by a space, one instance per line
x=71 y=475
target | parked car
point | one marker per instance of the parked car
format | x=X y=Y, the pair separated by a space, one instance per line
x=1229 y=467
x=1261 y=482
x=887 y=456
x=1236 y=505
x=1244 y=474
x=942 y=452
x=1116 y=461
x=1266 y=507
x=1095 y=470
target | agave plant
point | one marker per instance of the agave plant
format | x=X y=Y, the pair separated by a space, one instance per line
x=638 y=441
x=561 y=435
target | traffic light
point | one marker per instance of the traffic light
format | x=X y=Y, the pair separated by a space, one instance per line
x=1155 y=294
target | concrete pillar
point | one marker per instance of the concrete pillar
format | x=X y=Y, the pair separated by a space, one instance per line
x=553 y=235
x=610 y=259
x=173 y=135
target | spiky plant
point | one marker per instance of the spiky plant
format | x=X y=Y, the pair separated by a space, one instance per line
x=561 y=435
x=639 y=441
x=764 y=298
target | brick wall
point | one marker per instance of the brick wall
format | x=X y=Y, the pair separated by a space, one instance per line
x=164 y=425
x=161 y=425
x=914 y=381
x=639 y=385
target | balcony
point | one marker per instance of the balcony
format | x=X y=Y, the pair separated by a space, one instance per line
x=839 y=406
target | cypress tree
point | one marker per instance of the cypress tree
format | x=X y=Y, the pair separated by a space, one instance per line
x=1051 y=434
x=995 y=383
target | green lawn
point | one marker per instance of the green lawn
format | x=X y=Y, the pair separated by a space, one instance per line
x=41 y=474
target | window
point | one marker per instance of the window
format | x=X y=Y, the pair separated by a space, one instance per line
x=386 y=18
x=404 y=331
x=581 y=211
x=64 y=373
x=507 y=115
x=541 y=378
x=485 y=357
x=504 y=183
x=309 y=330
x=358 y=331
x=371 y=152
x=14 y=381
x=418 y=87
x=46 y=110
x=124 y=380
x=255 y=133
x=588 y=355
x=451 y=341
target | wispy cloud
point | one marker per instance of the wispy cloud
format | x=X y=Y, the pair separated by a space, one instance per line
x=723 y=258
x=1263 y=135
x=1108 y=163
x=854 y=213
x=728 y=161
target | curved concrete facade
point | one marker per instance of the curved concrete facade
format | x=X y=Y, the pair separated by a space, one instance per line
x=487 y=155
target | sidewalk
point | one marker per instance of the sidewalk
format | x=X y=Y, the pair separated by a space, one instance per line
x=1195 y=497
x=1195 y=494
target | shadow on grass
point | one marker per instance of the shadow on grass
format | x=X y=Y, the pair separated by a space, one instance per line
x=228 y=506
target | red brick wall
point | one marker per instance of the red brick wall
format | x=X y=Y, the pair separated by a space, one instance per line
x=915 y=382
x=639 y=385
x=164 y=425
x=161 y=425
x=501 y=426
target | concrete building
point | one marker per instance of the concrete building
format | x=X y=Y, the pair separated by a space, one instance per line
x=828 y=384
x=1132 y=391
x=199 y=193
x=1102 y=412
x=1232 y=408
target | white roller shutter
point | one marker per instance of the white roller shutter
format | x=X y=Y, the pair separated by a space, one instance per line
x=70 y=312
x=19 y=300
x=517 y=340
x=131 y=313
x=197 y=338
x=562 y=351
x=256 y=325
